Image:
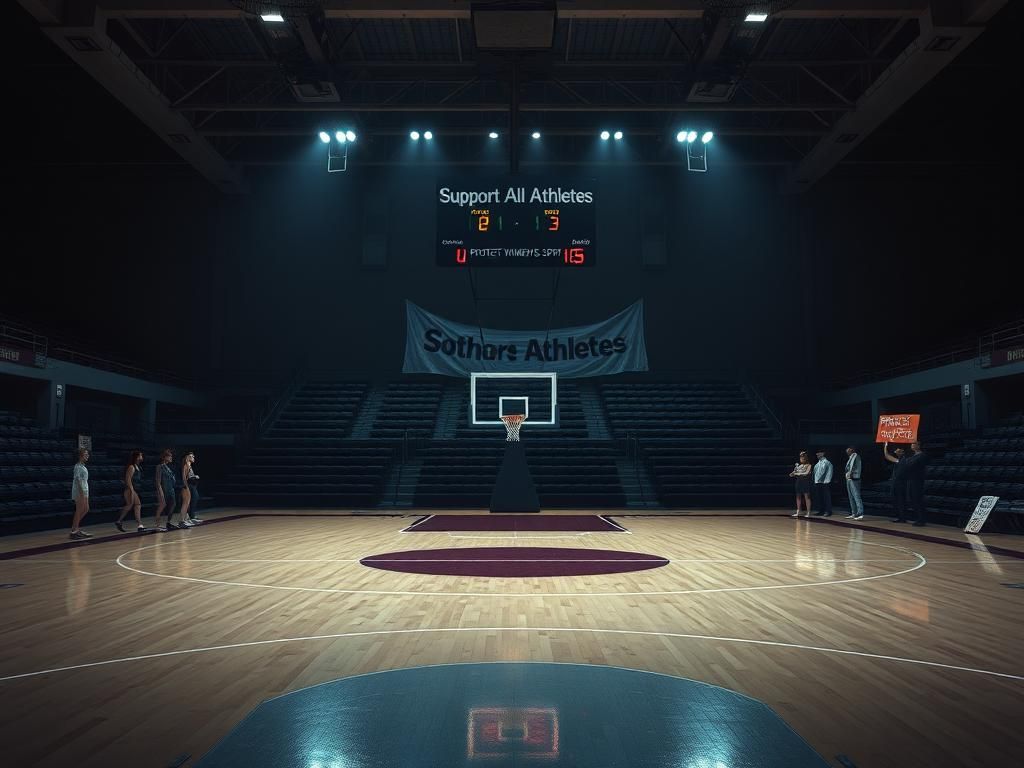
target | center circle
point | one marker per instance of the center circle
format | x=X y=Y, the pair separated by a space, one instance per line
x=513 y=561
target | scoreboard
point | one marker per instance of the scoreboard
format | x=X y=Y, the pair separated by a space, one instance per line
x=515 y=225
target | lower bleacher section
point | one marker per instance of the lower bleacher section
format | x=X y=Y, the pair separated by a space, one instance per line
x=987 y=464
x=721 y=473
x=568 y=474
x=294 y=473
x=35 y=478
x=688 y=445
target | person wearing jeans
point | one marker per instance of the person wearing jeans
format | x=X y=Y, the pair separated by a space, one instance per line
x=853 y=470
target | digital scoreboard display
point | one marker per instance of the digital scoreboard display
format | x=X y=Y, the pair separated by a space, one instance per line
x=515 y=224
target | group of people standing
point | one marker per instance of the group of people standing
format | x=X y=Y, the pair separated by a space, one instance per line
x=814 y=481
x=176 y=491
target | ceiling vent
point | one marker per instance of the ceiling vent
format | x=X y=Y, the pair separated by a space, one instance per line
x=716 y=91
x=313 y=91
x=514 y=26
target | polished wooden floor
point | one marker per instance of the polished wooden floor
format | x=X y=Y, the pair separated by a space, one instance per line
x=892 y=651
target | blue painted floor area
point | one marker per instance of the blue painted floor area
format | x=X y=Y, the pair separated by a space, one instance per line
x=512 y=714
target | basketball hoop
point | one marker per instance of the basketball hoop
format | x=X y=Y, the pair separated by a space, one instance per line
x=513 y=422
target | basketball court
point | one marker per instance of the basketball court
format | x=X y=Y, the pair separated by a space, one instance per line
x=143 y=650
x=430 y=384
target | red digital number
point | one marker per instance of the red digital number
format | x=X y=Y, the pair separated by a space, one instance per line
x=555 y=223
x=574 y=255
x=460 y=255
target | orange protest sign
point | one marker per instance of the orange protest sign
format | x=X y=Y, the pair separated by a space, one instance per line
x=898 y=428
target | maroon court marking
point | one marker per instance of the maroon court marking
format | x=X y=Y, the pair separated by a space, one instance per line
x=513 y=561
x=524 y=523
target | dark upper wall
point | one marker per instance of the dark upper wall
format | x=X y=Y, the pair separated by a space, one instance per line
x=175 y=275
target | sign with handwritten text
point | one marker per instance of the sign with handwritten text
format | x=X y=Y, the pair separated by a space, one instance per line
x=898 y=428
x=981 y=512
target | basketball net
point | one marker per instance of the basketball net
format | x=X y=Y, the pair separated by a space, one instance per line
x=512 y=423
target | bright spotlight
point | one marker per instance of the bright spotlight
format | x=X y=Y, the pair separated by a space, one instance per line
x=757 y=17
x=492 y=135
x=691 y=137
x=414 y=135
x=325 y=137
x=350 y=135
x=681 y=136
x=274 y=18
x=340 y=136
x=535 y=135
x=618 y=135
x=605 y=135
x=708 y=136
x=428 y=135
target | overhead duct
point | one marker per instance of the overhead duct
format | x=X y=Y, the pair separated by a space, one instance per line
x=514 y=26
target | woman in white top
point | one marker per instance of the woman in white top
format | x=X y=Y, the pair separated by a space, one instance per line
x=131 y=498
x=80 y=495
x=802 y=473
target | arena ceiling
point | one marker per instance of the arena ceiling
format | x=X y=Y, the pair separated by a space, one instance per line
x=229 y=92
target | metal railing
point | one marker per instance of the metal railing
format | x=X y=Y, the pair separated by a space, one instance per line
x=785 y=428
x=27 y=338
x=997 y=338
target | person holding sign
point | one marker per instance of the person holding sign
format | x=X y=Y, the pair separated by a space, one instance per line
x=899 y=483
x=916 y=464
x=822 y=485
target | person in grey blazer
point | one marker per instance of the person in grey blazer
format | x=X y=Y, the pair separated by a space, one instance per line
x=853 y=470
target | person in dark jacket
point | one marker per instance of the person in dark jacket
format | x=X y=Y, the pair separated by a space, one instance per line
x=899 y=483
x=917 y=462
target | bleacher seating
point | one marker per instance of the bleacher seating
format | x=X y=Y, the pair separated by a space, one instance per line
x=567 y=473
x=35 y=478
x=674 y=411
x=319 y=410
x=408 y=408
x=705 y=443
x=988 y=464
x=702 y=445
x=304 y=460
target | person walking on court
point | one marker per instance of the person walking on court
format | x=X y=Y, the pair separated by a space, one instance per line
x=131 y=498
x=80 y=495
x=164 y=488
x=822 y=485
x=193 y=492
x=184 y=476
x=899 y=483
x=853 y=471
x=917 y=462
x=802 y=473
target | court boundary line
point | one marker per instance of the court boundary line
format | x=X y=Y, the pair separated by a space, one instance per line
x=589 y=630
